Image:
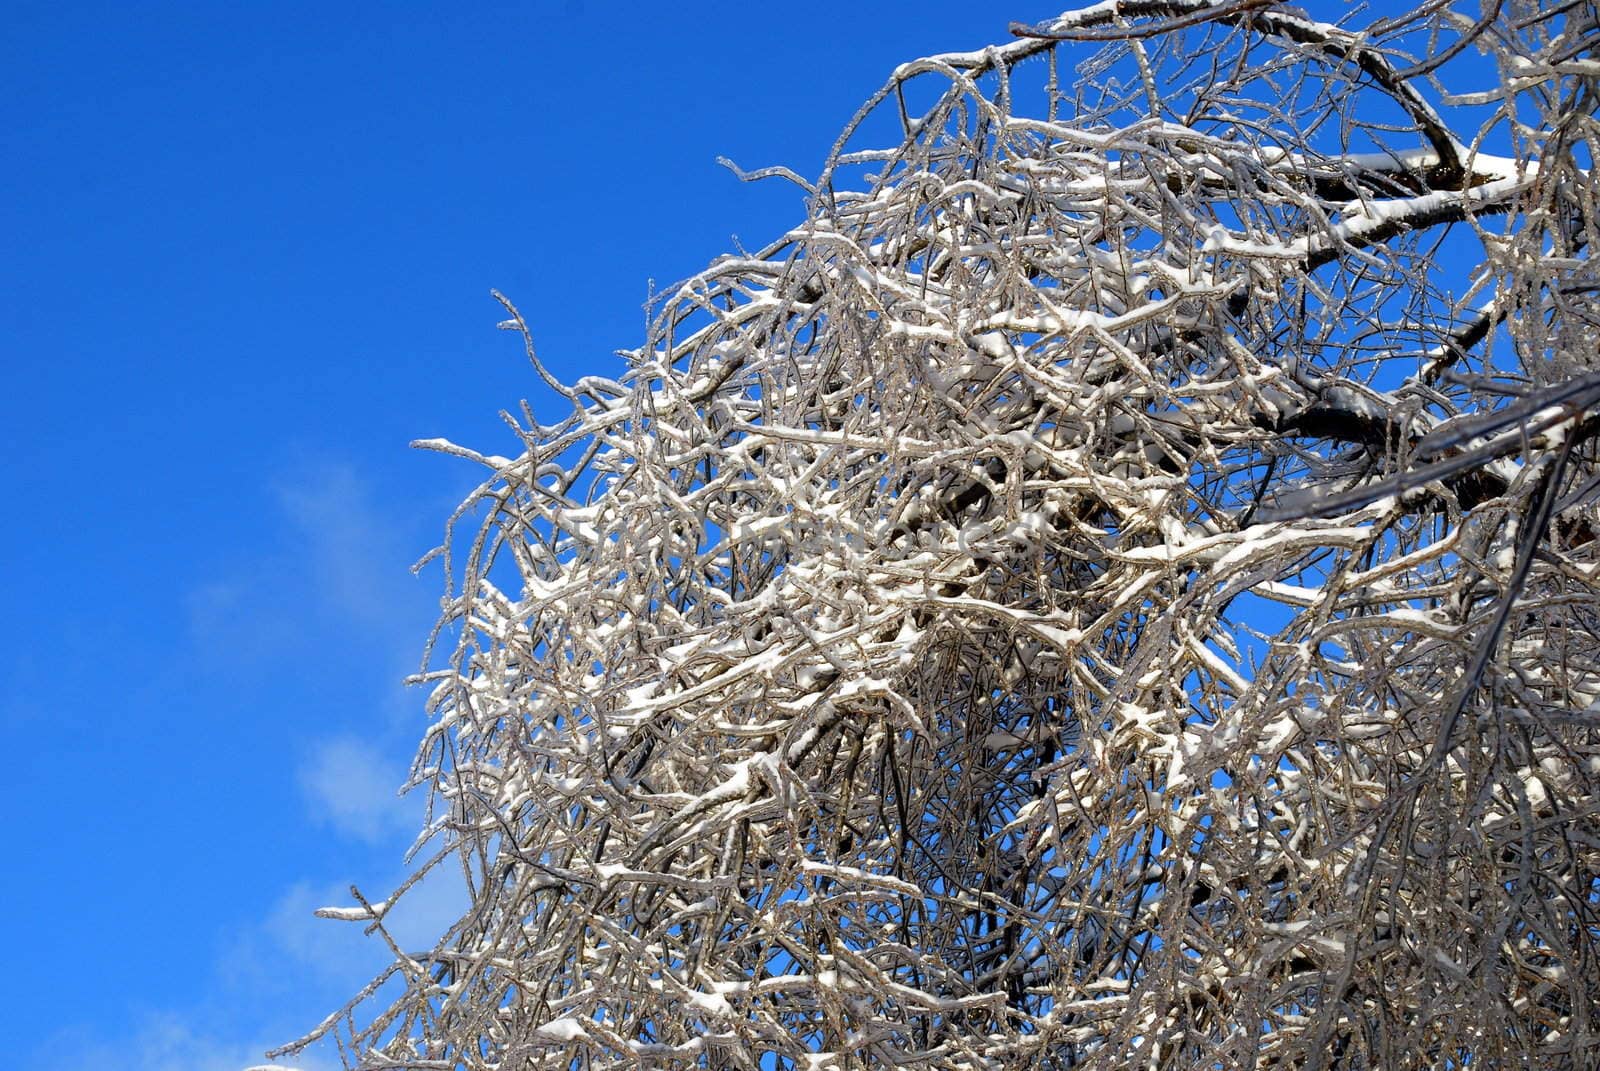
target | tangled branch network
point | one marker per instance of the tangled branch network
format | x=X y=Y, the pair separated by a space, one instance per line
x=1114 y=587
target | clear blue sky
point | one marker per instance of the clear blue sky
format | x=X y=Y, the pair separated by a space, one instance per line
x=247 y=255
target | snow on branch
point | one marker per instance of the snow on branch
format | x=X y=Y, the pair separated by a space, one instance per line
x=1113 y=586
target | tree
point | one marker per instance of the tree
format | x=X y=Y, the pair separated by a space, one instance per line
x=1115 y=586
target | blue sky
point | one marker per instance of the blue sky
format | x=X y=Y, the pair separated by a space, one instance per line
x=248 y=255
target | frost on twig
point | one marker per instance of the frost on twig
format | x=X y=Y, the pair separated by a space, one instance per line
x=1018 y=618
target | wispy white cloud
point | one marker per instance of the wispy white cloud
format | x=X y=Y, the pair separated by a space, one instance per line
x=342 y=950
x=352 y=785
x=334 y=574
x=276 y=980
x=292 y=940
x=294 y=950
x=355 y=548
x=162 y=1043
x=332 y=585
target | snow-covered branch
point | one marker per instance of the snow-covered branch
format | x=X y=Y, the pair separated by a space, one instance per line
x=1114 y=586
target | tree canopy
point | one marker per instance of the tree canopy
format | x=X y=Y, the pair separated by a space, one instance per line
x=1114 y=586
